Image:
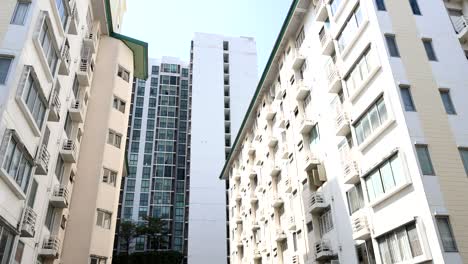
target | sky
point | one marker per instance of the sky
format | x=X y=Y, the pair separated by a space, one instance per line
x=168 y=25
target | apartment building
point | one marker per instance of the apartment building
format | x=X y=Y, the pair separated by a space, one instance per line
x=60 y=165
x=159 y=153
x=354 y=147
x=224 y=71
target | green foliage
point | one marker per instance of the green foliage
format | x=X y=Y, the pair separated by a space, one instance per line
x=154 y=257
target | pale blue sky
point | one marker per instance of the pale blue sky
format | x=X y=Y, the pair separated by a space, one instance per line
x=168 y=25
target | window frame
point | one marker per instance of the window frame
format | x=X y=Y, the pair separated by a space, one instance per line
x=450 y=229
x=54 y=47
x=380 y=4
x=123 y=73
x=109 y=176
x=105 y=217
x=449 y=107
x=30 y=79
x=392 y=47
x=411 y=107
x=15 y=12
x=431 y=165
x=464 y=161
x=429 y=49
x=415 y=7
x=7 y=73
x=118 y=103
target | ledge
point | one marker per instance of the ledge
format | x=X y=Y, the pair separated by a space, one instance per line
x=12 y=184
x=351 y=44
x=31 y=122
x=364 y=84
x=376 y=134
x=390 y=194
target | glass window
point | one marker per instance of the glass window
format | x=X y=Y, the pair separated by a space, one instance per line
x=350 y=29
x=415 y=7
x=334 y=5
x=103 y=219
x=380 y=5
x=47 y=42
x=19 y=253
x=109 y=176
x=21 y=10
x=407 y=99
x=33 y=98
x=446 y=234
x=399 y=245
x=17 y=162
x=123 y=73
x=447 y=101
x=464 y=157
x=314 y=136
x=5 y=63
x=325 y=222
x=371 y=121
x=429 y=49
x=424 y=160
x=386 y=177
x=361 y=71
x=300 y=38
x=355 y=198
x=6 y=244
x=392 y=46
x=114 y=139
x=63 y=13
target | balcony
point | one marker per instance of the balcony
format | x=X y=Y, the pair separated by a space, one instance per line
x=284 y=150
x=291 y=223
x=275 y=168
x=269 y=112
x=295 y=259
x=321 y=10
x=90 y=40
x=42 y=161
x=306 y=125
x=342 y=121
x=302 y=90
x=50 y=248
x=460 y=24
x=317 y=203
x=253 y=198
x=252 y=174
x=257 y=254
x=68 y=151
x=28 y=226
x=280 y=235
x=54 y=112
x=76 y=112
x=238 y=198
x=326 y=42
x=287 y=187
x=255 y=226
x=64 y=68
x=350 y=169
x=238 y=220
x=333 y=77
x=74 y=21
x=85 y=71
x=251 y=150
x=272 y=141
x=237 y=176
x=277 y=201
x=361 y=229
x=59 y=197
x=311 y=160
x=323 y=250
x=298 y=59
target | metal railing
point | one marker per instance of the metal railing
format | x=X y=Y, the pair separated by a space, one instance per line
x=360 y=224
x=332 y=71
x=55 y=100
x=51 y=243
x=66 y=54
x=69 y=145
x=30 y=218
x=459 y=23
x=322 y=247
x=324 y=37
x=316 y=198
x=85 y=66
x=61 y=191
x=44 y=155
x=77 y=106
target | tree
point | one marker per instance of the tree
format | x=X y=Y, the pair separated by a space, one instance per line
x=127 y=231
x=155 y=230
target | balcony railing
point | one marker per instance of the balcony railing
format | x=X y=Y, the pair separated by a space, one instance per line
x=54 y=113
x=360 y=228
x=42 y=161
x=68 y=151
x=460 y=23
x=333 y=77
x=59 y=197
x=280 y=235
x=64 y=68
x=317 y=203
x=76 y=111
x=50 y=247
x=323 y=250
x=28 y=227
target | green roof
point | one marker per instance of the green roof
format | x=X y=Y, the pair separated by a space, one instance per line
x=138 y=47
x=262 y=80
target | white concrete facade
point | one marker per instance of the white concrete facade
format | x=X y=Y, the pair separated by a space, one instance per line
x=55 y=45
x=329 y=170
x=224 y=75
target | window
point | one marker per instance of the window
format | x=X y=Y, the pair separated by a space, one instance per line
x=123 y=73
x=415 y=7
x=314 y=136
x=407 y=98
x=361 y=71
x=325 y=222
x=119 y=104
x=19 y=253
x=109 y=176
x=429 y=49
x=225 y=45
x=21 y=10
x=446 y=234
x=63 y=13
x=372 y=120
x=400 y=245
x=355 y=198
x=334 y=5
x=380 y=5
x=350 y=29
x=103 y=219
x=6 y=244
x=392 y=46
x=49 y=221
x=464 y=157
x=17 y=162
x=155 y=70
x=114 y=139
x=447 y=101
x=385 y=178
x=49 y=47
x=5 y=63
x=32 y=96
x=424 y=160
x=97 y=260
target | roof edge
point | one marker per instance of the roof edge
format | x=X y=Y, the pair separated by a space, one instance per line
x=260 y=84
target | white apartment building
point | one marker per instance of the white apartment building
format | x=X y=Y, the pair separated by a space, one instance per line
x=60 y=167
x=354 y=147
x=224 y=75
